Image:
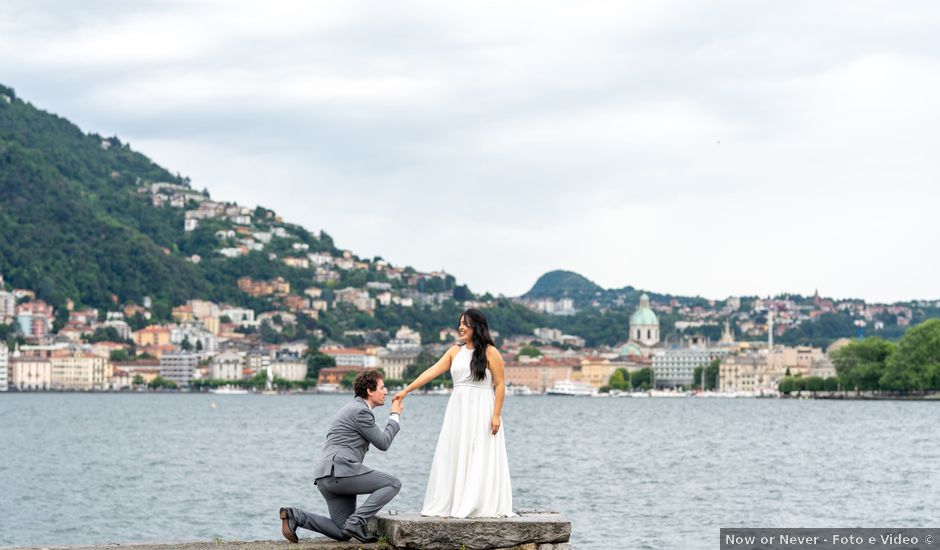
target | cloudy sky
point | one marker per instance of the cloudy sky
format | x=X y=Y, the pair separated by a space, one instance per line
x=714 y=148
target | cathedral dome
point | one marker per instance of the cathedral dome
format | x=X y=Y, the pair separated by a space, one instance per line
x=644 y=316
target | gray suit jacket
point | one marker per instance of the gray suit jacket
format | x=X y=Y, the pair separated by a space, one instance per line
x=352 y=430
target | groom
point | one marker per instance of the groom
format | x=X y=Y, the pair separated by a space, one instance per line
x=340 y=474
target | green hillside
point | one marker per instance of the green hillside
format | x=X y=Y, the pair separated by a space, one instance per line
x=563 y=284
x=71 y=221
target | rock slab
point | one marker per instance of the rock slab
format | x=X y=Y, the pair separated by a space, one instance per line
x=528 y=530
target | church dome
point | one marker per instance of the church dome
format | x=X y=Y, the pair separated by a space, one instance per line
x=644 y=316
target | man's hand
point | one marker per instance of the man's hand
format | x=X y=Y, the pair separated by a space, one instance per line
x=495 y=423
x=399 y=397
x=398 y=405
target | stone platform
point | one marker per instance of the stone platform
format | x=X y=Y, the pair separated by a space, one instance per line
x=399 y=531
x=528 y=531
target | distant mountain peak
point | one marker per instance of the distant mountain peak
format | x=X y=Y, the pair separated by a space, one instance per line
x=561 y=283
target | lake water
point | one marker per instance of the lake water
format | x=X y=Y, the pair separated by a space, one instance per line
x=628 y=473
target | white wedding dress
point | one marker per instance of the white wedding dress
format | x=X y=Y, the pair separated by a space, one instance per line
x=470 y=473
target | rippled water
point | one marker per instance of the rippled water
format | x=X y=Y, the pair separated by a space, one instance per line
x=630 y=473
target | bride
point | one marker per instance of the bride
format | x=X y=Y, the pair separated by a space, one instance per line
x=470 y=473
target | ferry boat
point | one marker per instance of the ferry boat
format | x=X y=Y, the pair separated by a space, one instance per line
x=570 y=387
x=519 y=390
x=229 y=390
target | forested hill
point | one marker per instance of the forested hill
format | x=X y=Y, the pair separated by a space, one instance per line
x=71 y=221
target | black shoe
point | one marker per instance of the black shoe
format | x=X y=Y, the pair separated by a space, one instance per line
x=358 y=532
x=288 y=525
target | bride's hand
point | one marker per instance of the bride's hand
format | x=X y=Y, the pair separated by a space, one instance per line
x=400 y=396
x=495 y=423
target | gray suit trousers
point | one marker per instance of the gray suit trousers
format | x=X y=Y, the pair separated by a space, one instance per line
x=340 y=494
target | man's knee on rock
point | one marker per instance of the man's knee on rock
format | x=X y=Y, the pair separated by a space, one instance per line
x=395 y=484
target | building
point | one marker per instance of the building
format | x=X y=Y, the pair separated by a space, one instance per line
x=76 y=370
x=350 y=357
x=226 y=366
x=7 y=307
x=335 y=375
x=644 y=324
x=151 y=336
x=595 y=371
x=179 y=367
x=395 y=363
x=4 y=367
x=675 y=368
x=34 y=318
x=289 y=368
x=30 y=373
x=405 y=339
x=242 y=317
x=541 y=374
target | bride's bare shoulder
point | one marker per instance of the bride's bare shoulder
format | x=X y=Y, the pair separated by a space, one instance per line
x=492 y=352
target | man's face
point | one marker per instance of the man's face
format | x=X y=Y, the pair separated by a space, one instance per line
x=376 y=397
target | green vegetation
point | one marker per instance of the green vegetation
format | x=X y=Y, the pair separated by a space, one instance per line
x=711 y=376
x=876 y=365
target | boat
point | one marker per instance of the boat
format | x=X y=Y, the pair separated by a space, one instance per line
x=229 y=390
x=519 y=390
x=570 y=387
x=327 y=388
x=438 y=390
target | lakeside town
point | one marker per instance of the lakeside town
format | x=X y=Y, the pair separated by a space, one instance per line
x=212 y=345
x=273 y=342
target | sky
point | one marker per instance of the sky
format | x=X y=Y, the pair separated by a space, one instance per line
x=694 y=148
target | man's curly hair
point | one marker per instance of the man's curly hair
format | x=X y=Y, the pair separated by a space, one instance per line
x=366 y=381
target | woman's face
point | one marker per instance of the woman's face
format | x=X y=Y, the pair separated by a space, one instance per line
x=464 y=330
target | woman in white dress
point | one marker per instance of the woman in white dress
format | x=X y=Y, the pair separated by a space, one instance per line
x=470 y=473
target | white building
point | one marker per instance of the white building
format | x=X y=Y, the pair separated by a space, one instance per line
x=179 y=367
x=31 y=373
x=4 y=367
x=405 y=339
x=293 y=369
x=7 y=306
x=347 y=357
x=242 y=317
x=676 y=367
x=226 y=366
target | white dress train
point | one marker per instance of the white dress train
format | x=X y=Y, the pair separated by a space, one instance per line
x=470 y=472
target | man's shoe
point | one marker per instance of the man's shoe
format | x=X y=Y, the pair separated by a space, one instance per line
x=288 y=525
x=358 y=532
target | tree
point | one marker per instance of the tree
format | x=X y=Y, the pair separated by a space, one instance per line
x=119 y=355
x=915 y=365
x=316 y=361
x=861 y=364
x=642 y=379
x=186 y=345
x=138 y=380
x=814 y=384
x=348 y=379
x=618 y=380
x=711 y=375
x=529 y=351
x=104 y=334
x=785 y=386
x=160 y=383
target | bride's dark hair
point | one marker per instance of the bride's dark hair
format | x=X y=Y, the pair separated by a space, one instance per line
x=475 y=319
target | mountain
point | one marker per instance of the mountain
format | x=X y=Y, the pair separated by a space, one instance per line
x=563 y=284
x=71 y=221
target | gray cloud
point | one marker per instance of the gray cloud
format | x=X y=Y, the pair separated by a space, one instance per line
x=499 y=141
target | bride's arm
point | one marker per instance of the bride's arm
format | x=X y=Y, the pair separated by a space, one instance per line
x=430 y=373
x=497 y=368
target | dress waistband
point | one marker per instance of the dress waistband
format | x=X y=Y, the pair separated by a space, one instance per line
x=476 y=386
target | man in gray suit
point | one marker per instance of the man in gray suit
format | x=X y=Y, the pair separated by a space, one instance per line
x=340 y=474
